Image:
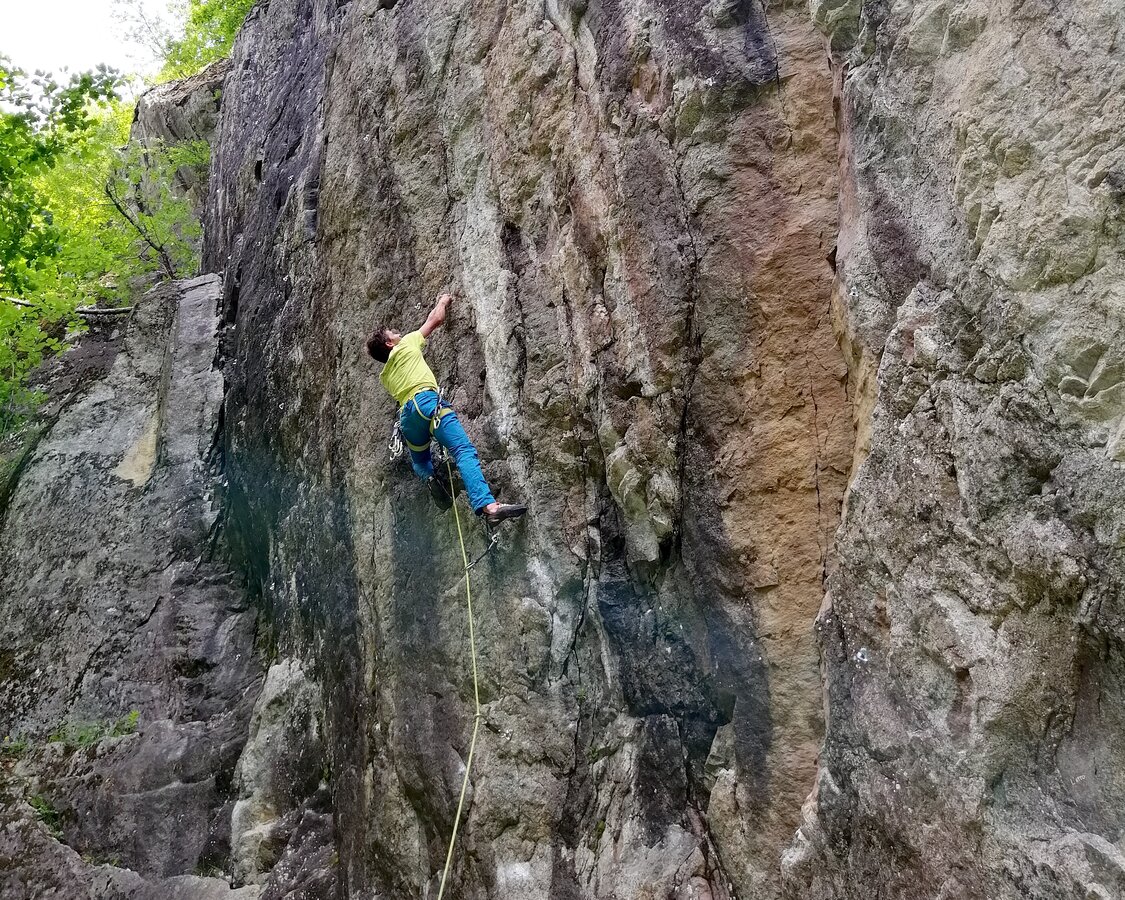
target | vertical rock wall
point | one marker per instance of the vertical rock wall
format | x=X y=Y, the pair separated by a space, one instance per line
x=112 y=606
x=637 y=204
x=181 y=112
x=714 y=283
x=972 y=640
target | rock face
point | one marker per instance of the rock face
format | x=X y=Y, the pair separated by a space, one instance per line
x=148 y=752
x=279 y=769
x=800 y=329
x=638 y=206
x=180 y=112
x=117 y=620
x=973 y=637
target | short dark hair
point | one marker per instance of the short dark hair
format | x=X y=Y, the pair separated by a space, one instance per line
x=378 y=348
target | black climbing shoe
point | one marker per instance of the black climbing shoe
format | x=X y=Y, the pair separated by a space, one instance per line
x=440 y=492
x=506 y=511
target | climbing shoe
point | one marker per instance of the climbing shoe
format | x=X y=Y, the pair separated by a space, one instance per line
x=506 y=511
x=439 y=491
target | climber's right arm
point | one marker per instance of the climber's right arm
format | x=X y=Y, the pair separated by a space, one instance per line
x=436 y=316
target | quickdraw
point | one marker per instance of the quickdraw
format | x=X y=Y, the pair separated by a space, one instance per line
x=395 y=447
x=493 y=543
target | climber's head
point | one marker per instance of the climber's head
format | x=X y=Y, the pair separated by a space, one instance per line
x=380 y=342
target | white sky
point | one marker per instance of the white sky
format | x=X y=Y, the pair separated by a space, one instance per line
x=77 y=34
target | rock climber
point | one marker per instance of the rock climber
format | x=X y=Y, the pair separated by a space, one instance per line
x=424 y=415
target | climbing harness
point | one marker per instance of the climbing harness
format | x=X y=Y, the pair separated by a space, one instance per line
x=398 y=439
x=476 y=682
x=440 y=412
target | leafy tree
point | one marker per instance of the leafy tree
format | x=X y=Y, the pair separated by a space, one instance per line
x=92 y=240
x=152 y=31
x=209 y=32
x=23 y=343
x=145 y=190
x=189 y=35
x=82 y=222
x=119 y=222
x=40 y=119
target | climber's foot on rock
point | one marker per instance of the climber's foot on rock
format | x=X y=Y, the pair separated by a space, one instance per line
x=440 y=492
x=495 y=513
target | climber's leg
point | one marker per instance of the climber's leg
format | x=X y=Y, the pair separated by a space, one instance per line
x=422 y=463
x=451 y=435
x=416 y=431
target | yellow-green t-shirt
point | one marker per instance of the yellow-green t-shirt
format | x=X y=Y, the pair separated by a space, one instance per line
x=405 y=373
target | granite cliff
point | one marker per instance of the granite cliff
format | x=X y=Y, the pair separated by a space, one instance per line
x=799 y=327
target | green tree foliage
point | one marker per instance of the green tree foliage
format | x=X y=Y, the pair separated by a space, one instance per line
x=145 y=190
x=104 y=219
x=83 y=222
x=209 y=32
x=41 y=122
x=187 y=35
x=25 y=336
x=91 y=238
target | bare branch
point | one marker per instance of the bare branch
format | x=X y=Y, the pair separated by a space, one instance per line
x=165 y=259
x=107 y=311
x=81 y=310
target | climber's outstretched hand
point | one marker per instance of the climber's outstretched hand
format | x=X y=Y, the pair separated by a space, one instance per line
x=437 y=315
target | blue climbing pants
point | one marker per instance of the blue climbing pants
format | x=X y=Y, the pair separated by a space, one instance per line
x=415 y=420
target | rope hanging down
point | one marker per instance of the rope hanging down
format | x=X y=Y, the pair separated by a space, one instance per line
x=476 y=688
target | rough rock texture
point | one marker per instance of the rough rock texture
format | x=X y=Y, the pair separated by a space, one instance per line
x=111 y=604
x=973 y=636
x=717 y=282
x=279 y=769
x=179 y=112
x=638 y=205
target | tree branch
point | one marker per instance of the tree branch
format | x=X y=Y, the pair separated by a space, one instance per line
x=81 y=310
x=165 y=259
x=107 y=311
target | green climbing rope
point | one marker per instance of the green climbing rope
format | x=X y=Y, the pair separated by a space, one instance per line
x=476 y=691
